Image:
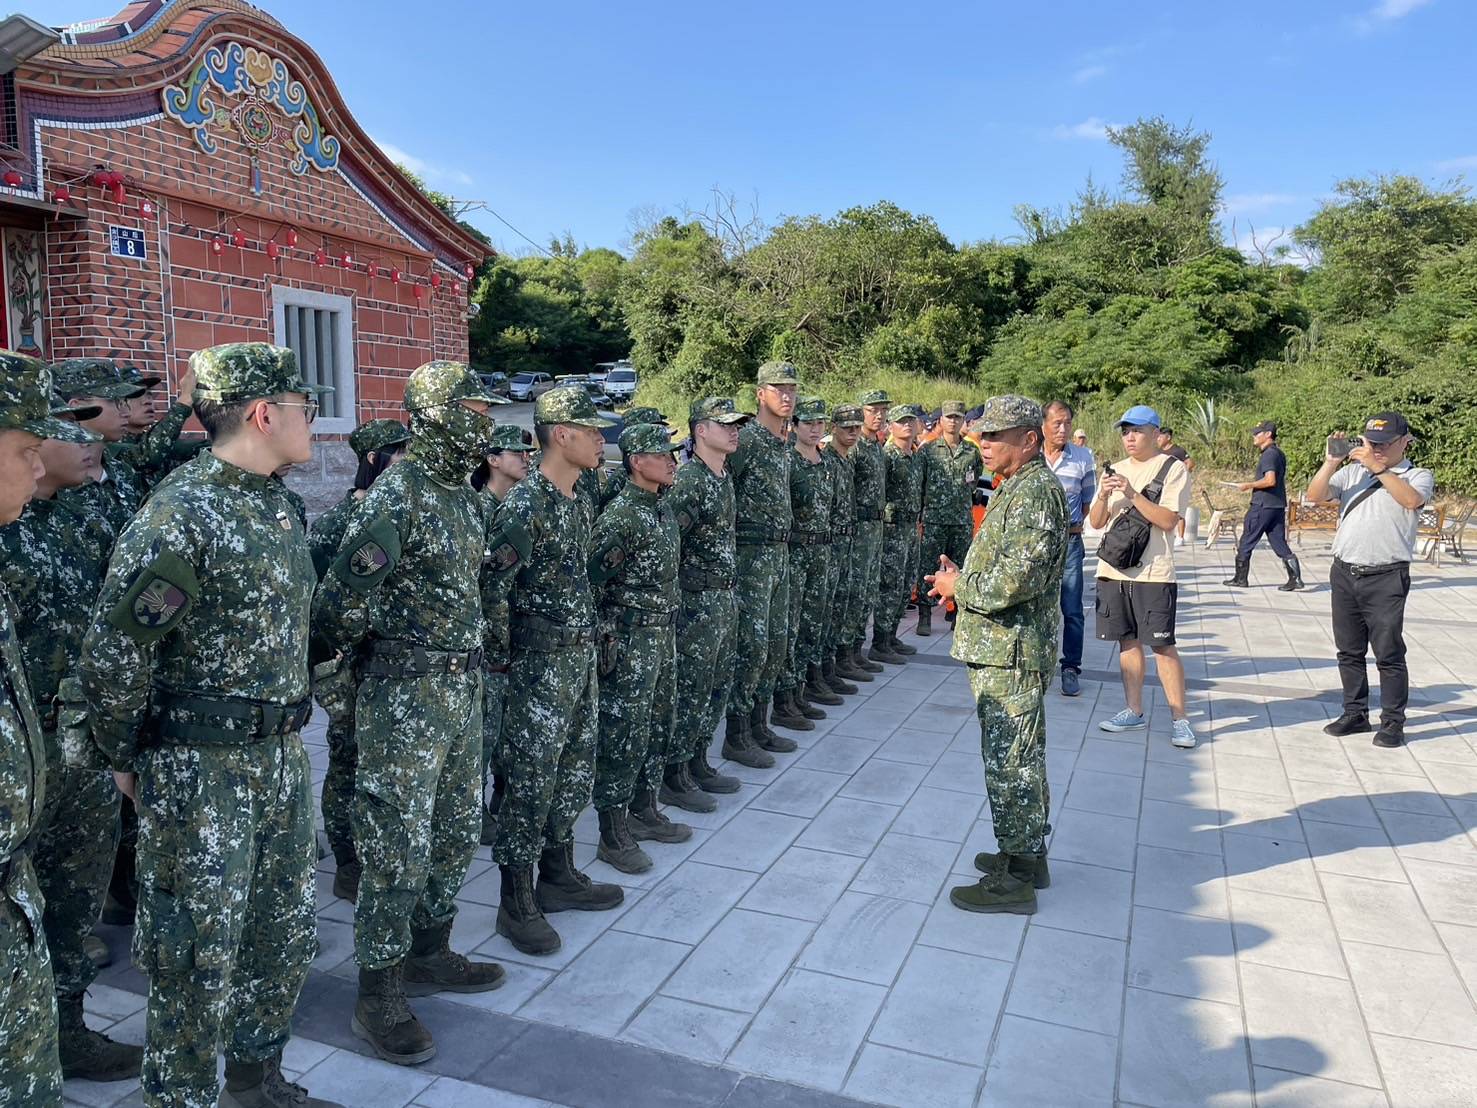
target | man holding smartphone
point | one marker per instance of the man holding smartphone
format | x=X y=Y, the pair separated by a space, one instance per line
x=1380 y=497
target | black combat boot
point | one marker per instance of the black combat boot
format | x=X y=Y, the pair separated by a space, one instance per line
x=262 y=1085
x=561 y=887
x=925 y=620
x=1239 y=579
x=764 y=737
x=835 y=682
x=799 y=699
x=900 y=647
x=519 y=918
x=1294 y=575
x=861 y=661
x=709 y=779
x=650 y=825
x=616 y=845
x=739 y=745
x=680 y=787
x=787 y=715
x=848 y=667
x=882 y=649
x=90 y=1054
x=433 y=967
x=346 y=879
x=383 y=1019
x=818 y=689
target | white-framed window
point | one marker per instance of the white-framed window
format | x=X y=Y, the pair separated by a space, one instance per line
x=319 y=328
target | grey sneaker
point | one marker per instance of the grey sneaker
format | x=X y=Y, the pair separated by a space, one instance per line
x=1071 y=682
x=1181 y=734
x=1124 y=721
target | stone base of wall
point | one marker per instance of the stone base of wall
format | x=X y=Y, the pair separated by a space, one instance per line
x=323 y=480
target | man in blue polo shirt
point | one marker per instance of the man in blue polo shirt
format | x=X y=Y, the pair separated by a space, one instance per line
x=1074 y=468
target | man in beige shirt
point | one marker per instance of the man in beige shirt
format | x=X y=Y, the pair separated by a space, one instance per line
x=1137 y=604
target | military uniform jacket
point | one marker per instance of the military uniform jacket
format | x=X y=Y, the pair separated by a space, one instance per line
x=811 y=493
x=635 y=548
x=761 y=484
x=22 y=771
x=151 y=454
x=904 y=487
x=494 y=584
x=1009 y=589
x=208 y=594
x=949 y=477
x=843 y=491
x=115 y=498
x=871 y=478
x=552 y=583
x=328 y=530
x=408 y=567
x=704 y=506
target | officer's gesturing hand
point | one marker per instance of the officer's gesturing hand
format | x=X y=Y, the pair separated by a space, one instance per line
x=944 y=580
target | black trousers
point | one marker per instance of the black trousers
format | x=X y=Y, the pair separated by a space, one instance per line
x=1269 y=521
x=1369 y=613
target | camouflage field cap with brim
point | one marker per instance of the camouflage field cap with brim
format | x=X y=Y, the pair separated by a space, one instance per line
x=377 y=435
x=27 y=402
x=138 y=377
x=846 y=415
x=1002 y=413
x=238 y=371
x=873 y=396
x=508 y=436
x=438 y=383
x=568 y=405
x=644 y=415
x=101 y=377
x=952 y=407
x=900 y=412
x=719 y=409
x=647 y=438
x=778 y=373
x=80 y=412
x=810 y=409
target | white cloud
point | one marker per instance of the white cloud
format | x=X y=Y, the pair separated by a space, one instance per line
x=1457 y=165
x=1091 y=128
x=1249 y=203
x=1386 y=12
x=429 y=172
x=1273 y=242
x=1089 y=73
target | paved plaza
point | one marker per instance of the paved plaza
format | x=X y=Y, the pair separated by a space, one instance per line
x=1275 y=917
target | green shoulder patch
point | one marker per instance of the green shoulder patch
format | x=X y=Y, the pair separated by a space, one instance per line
x=160 y=596
x=509 y=545
x=605 y=562
x=367 y=556
x=685 y=520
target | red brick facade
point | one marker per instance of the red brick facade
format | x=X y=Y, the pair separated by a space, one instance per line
x=96 y=103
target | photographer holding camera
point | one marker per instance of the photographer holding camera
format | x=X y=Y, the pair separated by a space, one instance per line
x=1380 y=497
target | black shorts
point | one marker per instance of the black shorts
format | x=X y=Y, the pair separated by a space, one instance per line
x=1142 y=610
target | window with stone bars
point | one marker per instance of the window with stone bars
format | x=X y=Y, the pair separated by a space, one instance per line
x=319 y=328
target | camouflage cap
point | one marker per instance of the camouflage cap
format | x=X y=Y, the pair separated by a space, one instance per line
x=874 y=396
x=80 y=412
x=1004 y=412
x=138 y=377
x=644 y=415
x=441 y=382
x=647 y=438
x=508 y=436
x=568 y=404
x=778 y=373
x=94 y=377
x=719 y=409
x=952 y=407
x=377 y=434
x=27 y=402
x=810 y=409
x=246 y=371
x=846 y=415
x=899 y=412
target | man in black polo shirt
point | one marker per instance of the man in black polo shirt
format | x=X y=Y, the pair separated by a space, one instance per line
x=1268 y=512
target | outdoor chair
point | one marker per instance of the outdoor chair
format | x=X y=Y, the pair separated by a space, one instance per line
x=1223 y=521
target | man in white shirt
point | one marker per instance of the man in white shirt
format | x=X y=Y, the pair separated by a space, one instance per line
x=1380 y=499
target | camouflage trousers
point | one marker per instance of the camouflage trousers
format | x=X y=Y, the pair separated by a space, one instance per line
x=1011 y=707
x=762 y=598
x=74 y=859
x=840 y=597
x=705 y=633
x=547 y=750
x=334 y=690
x=940 y=538
x=226 y=915
x=635 y=716
x=899 y=572
x=865 y=571
x=30 y=1071
x=494 y=696
x=809 y=568
x=416 y=803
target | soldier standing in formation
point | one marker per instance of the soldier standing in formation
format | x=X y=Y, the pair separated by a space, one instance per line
x=951 y=468
x=838 y=665
x=904 y=506
x=1007 y=594
x=870 y=469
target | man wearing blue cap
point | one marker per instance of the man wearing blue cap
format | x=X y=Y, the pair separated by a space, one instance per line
x=1136 y=601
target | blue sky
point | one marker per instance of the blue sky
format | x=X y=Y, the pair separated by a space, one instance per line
x=584 y=117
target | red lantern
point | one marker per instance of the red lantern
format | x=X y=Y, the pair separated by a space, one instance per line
x=468 y=270
x=321 y=257
x=273 y=250
x=120 y=194
x=394 y=276
x=146 y=208
x=63 y=194
x=102 y=179
x=217 y=244
x=458 y=287
x=290 y=237
x=419 y=294
x=238 y=239
x=13 y=179
x=435 y=280
x=346 y=259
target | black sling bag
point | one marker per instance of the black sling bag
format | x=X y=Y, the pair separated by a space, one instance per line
x=1128 y=537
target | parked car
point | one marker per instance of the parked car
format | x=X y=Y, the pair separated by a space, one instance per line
x=590 y=385
x=496 y=381
x=620 y=383
x=529 y=386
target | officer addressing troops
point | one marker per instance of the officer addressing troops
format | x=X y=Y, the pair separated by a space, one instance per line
x=903 y=507
x=950 y=468
x=865 y=568
x=195 y=674
x=1007 y=593
x=404 y=597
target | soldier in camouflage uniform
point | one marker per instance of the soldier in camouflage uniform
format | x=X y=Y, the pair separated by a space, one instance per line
x=612 y=483
x=195 y=676
x=403 y=598
x=506 y=465
x=837 y=668
x=865 y=563
x=1007 y=593
x=702 y=502
x=812 y=492
x=951 y=469
x=377 y=444
x=52 y=561
x=30 y=1073
x=633 y=570
x=550 y=723
x=153 y=447
x=761 y=481
x=900 y=533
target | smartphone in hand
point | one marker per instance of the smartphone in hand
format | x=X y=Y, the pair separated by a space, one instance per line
x=1339 y=447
